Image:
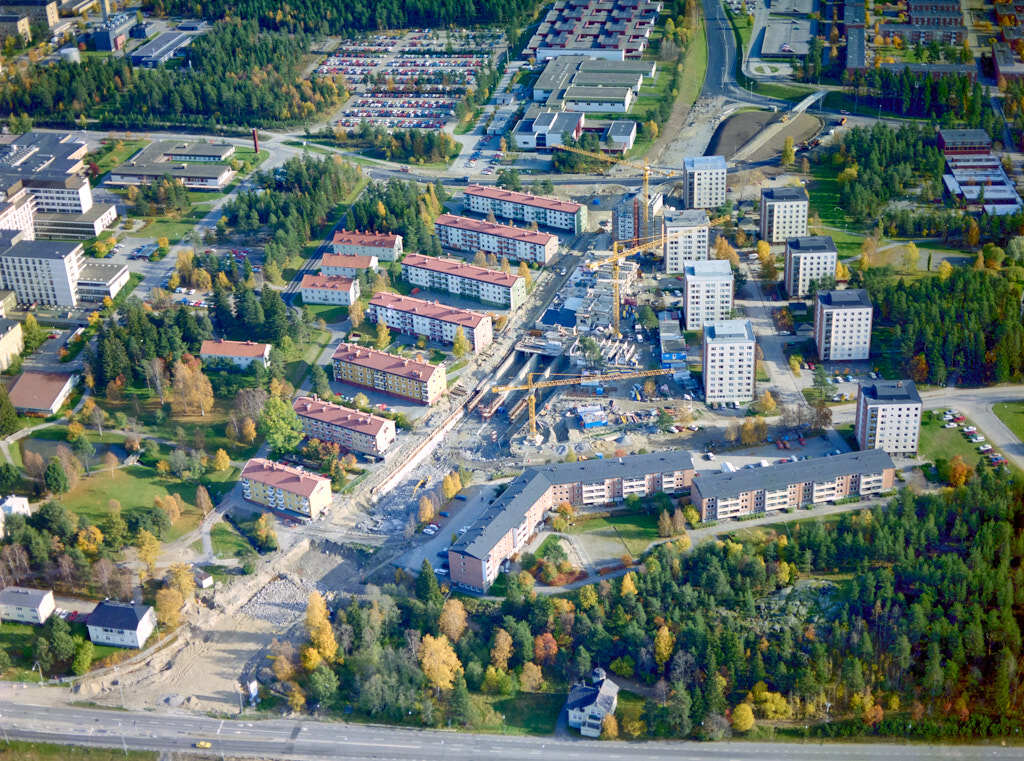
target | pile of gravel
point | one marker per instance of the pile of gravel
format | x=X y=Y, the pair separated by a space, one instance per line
x=281 y=602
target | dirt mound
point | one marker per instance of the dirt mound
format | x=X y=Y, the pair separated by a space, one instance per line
x=735 y=131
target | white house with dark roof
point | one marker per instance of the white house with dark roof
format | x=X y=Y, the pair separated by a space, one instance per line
x=121 y=624
x=30 y=606
x=588 y=704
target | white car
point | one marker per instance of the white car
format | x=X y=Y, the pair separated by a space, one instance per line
x=977 y=439
x=985 y=448
x=949 y=425
x=970 y=429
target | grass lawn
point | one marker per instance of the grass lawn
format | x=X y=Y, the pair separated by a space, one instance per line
x=530 y=713
x=16 y=639
x=298 y=365
x=629 y=708
x=228 y=543
x=946 y=443
x=1012 y=415
x=172 y=229
x=636 y=531
x=327 y=312
x=29 y=751
x=694 y=67
x=115 y=154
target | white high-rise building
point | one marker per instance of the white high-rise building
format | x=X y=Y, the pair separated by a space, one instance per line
x=729 y=361
x=888 y=417
x=707 y=292
x=705 y=185
x=842 y=324
x=686 y=238
x=783 y=213
x=811 y=257
x=44 y=272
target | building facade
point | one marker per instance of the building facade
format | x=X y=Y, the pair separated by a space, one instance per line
x=426 y=318
x=12 y=341
x=731 y=494
x=44 y=272
x=686 y=238
x=809 y=258
x=465 y=234
x=502 y=531
x=455 y=276
x=526 y=207
x=388 y=373
x=628 y=218
x=352 y=429
x=842 y=325
x=329 y=289
x=347 y=265
x=27 y=605
x=121 y=624
x=285 y=488
x=783 y=213
x=385 y=246
x=704 y=182
x=707 y=292
x=729 y=361
x=888 y=417
x=238 y=353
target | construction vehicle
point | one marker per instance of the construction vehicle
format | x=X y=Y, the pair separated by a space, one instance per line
x=531 y=386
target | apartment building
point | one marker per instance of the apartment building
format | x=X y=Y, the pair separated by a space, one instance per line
x=36 y=10
x=628 y=218
x=526 y=207
x=12 y=341
x=809 y=258
x=15 y=25
x=428 y=318
x=354 y=430
x=731 y=494
x=44 y=272
x=347 y=265
x=387 y=247
x=285 y=488
x=455 y=276
x=239 y=353
x=686 y=238
x=464 y=234
x=329 y=289
x=728 y=353
x=888 y=417
x=842 y=324
x=704 y=182
x=388 y=373
x=783 y=213
x=707 y=292
x=507 y=525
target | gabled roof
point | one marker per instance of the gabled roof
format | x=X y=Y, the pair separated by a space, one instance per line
x=220 y=347
x=24 y=597
x=118 y=615
x=283 y=477
x=429 y=309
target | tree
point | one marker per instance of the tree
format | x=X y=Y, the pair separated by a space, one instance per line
x=788 y=152
x=193 y=393
x=318 y=625
x=628 y=585
x=452 y=622
x=460 y=344
x=919 y=368
x=438 y=661
x=110 y=461
x=959 y=471
x=664 y=524
x=524 y=272
x=8 y=415
x=83 y=656
x=89 y=540
x=296 y=698
x=383 y=339
x=545 y=648
x=664 y=643
x=280 y=426
x=168 y=607
x=56 y=478
x=148 y=549
x=323 y=684
x=609 y=727
x=767 y=403
x=945 y=270
x=182 y=580
x=502 y=648
x=356 y=313
x=532 y=677
x=748 y=433
x=426 y=510
x=221 y=461
x=248 y=432
x=75 y=431
x=743 y=718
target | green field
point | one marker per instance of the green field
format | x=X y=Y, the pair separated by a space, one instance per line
x=530 y=713
x=297 y=366
x=694 y=67
x=228 y=543
x=114 y=155
x=329 y=313
x=946 y=443
x=636 y=531
x=26 y=751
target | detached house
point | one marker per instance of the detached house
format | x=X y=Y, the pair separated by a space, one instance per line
x=121 y=624
x=29 y=606
x=588 y=704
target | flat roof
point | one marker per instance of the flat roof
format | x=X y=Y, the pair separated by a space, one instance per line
x=965 y=136
x=101 y=272
x=459 y=268
x=785 y=193
x=526 y=199
x=686 y=218
x=161 y=45
x=335 y=414
x=706 y=268
x=854 y=298
x=216 y=150
x=601 y=94
x=381 y=361
x=173 y=169
x=891 y=392
x=703 y=163
x=492 y=228
x=728 y=331
x=430 y=309
x=284 y=477
x=726 y=485
x=811 y=244
x=42 y=249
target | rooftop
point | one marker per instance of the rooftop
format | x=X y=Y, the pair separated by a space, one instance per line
x=686 y=217
x=37 y=391
x=43 y=249
x=327 y=282
x=431 y=309
x=384 y=362
x=118 y=615
x=459 y=268
x=527 y=199
x=369 y=238
x=284 y=477
x=726 y=485
x=335 y=414
x=101 y=272
x=855 y=298
x=600 y=94
x=811 y=244
x=708 y=268
x=891 y=392
x=490 y=228
x=786 y=193
x=353 y=261
x=221 y=347
x=728 y=331
x=23 y=596
x=703 y=163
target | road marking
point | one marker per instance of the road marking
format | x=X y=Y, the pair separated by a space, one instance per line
x=220 y=726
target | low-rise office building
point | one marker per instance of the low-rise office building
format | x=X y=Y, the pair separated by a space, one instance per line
x=101 y=280
x=238 y=353
x=508 y=523
x=354 y=430
x=888 y=417
x=40 y=394
x=707 y=292
x=197 y=165
x=455 y=276
x=160 y=50
x=425 y=318
x=387 y=247
x=285 y=488
x=686 y=236
x=783 y=213
x=465 y=234
x=747 y=491
x=842 y=325
x=329 y=289
x=347 y=265
x=704 y=182
x=389 y=373
x=729 y=361
x=547 y=130
x=121 y=624
x=810 y=258
x=26 y=605
x=526 y=207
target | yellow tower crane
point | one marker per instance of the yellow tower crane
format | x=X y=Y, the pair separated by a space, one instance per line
x=574 y=381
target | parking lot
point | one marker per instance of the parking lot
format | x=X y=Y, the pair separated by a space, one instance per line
x=461 y=515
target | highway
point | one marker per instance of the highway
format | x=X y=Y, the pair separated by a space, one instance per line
x=290 y=739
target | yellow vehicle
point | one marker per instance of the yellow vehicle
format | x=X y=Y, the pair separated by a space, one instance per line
x=203 y=744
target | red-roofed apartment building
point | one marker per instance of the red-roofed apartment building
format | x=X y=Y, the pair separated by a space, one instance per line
x=282 y=487
x=352 y=429
x=428 y=318
x=240 y=353
x=346 y=265
x=526 y=207
x=329 y=289
x=465 y=234
x=455 y=276
x=391 y=374
x=385 y=246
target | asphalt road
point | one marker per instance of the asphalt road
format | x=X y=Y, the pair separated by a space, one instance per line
x=288 y=739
